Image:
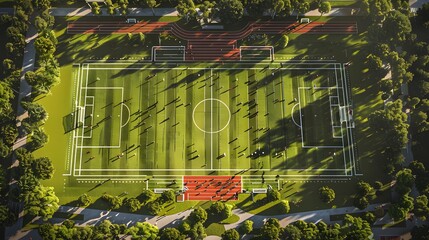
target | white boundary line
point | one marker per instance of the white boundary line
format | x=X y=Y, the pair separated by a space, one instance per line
x=231 y=169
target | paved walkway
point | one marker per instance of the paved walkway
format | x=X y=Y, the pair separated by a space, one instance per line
x=24 y=90
x=147 y=12
x=94 y=217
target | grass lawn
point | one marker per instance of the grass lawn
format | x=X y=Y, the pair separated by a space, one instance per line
x=163 y=147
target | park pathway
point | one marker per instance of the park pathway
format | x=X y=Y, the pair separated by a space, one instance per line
x=94 y=217
x=24 y=91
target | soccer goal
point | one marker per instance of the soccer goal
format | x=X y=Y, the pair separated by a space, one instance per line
x=257 y=53
x=168 y=53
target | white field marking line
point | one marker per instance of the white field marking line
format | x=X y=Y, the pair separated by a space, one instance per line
x=300 y=118
x=332 y=117
x=92 y=116
x=344 y=150
x=349 y=130
x=201 y=68
x=327 y=177
x=302 y=136
x=293 y=119
x=102 y=88
x=288 y=68
x=129 y=114
x=216 y=169
x=70 y=151
x=294 y=62
x=117 y=179
x=120 y=120
x=84 y=112
x=76 y=136
x=211 y=118
x=211 y=100
x=338 y=94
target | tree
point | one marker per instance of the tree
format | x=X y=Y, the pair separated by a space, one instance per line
x=45 y=48
x=147 y=196
x=8 y=65
x=356 y=228
x=151 y=4
x=369 y=217
x=37 y=114
x=361 y=202
x=95 y=8
x=364 y=189
x=275 y=7
x=404 y=180
x=168 y=196
x=84 y=200
x=421 y=208
x=38 y=138
x=269 y=232
x=392 y=123
x=198 y=231
x=220 y=210
x=42 y=4
x=255 y=7
x=284 y=204
x=247 y=226
x=420 y=232
x=324 y=7
x=230 y=234
x=284 y=41
x=133 y=204
x=397 y=212
x=171 y=234
x=291 y=232
x=41 y=201
x=154 y=207
x=41 y=24
x=144 y=230
x=115 y=202
x=186 y=9
x=229 y=11
x=206 y=11
x=4 y=214
x=303 y=7
x=396 y=26
x=327 y=194
x=273 y=195
x=43 y=168
x=198 y=215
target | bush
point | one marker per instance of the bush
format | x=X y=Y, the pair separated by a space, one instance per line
x=84 y=200
x=285 y=206
x=273 y=195
x=327 y=194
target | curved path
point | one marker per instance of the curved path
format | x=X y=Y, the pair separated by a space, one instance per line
x=212 y=45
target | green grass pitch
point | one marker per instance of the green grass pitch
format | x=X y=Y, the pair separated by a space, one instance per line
x=143 y=119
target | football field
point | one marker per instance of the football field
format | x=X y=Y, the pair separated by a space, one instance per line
x=290 y=119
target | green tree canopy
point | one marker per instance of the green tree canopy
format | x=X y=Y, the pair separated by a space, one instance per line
x=324 y=7
x=327 y=194
x=229 y=11
x=198 y=215
x=171 y=234
x=230 y=234
x=41 y=201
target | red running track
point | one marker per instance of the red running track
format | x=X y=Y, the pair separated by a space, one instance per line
x=207 y=188
x=212 y=45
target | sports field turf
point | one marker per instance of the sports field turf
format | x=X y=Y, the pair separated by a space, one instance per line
x=143 y=119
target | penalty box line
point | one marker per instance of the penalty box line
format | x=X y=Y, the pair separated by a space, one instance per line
x=81 y=146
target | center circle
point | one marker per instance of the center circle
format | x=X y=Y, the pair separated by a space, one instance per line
x=209 y=115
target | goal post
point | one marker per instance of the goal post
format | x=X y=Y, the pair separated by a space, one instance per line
x=257 y=54
x=168 y=53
